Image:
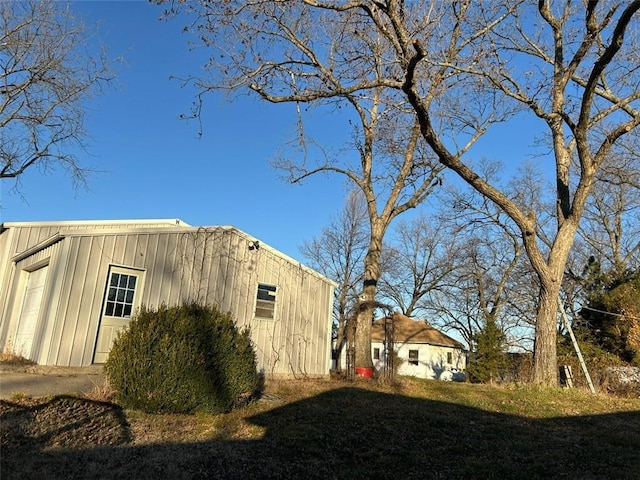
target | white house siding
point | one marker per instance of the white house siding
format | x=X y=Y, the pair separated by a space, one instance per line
x=178 y=263
x=432 y=359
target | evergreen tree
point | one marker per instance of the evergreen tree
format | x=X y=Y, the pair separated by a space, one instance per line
x=490 y=358
x=612 y=313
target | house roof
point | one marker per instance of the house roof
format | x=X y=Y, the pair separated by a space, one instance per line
x=407 y=330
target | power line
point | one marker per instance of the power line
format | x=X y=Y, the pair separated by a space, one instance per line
x=611 y=313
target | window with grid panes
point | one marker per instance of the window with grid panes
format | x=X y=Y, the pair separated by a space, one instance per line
x=122 y=289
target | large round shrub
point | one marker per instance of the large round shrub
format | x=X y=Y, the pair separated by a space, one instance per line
x=183 y=359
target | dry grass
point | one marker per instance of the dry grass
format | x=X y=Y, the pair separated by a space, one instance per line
x=8 y=358
x=333 y=429
x=102 y=391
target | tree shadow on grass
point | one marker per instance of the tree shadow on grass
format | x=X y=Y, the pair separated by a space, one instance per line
x=63 y=420
x=354 y=433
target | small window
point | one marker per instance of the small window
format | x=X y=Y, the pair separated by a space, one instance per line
x=120 y=295
x=266 y=301
x=376 y=354
x=449 y=358
x=413 y=357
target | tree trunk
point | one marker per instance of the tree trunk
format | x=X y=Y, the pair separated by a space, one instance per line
x=545 y=360
x=363 y=326
x=342 y=335
x=340 y=344
x=366 y=306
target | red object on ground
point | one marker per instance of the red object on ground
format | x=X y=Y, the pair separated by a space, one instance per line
x=364 y=372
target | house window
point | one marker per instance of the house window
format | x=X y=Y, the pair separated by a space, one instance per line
x=266 y=301
x=376 y=354
x=122 y=289
x=449 y=357
x=413 y=357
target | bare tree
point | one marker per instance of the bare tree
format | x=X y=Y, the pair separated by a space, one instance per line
x=393 y=168
x=342 y=56
x=576 y=71
x=491 y=282
x=609 y=233
x=461 y=66
x=47 y=73
x=394 y=173
x=611 y=223
x=487 y=286
x=421 y=257
x=338 y=254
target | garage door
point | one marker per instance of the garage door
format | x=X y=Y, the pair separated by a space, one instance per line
x=30 y=311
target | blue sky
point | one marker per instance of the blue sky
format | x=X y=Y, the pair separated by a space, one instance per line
x=153 y=165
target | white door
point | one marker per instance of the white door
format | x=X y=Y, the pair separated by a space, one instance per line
x=30 y=311
x=121 y=299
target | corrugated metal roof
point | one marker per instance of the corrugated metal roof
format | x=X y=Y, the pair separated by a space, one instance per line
x=103 y=223
x=407 y=330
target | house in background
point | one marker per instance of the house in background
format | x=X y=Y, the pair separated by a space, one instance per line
x=67 y=288
x=421 y=350
x=424 y=351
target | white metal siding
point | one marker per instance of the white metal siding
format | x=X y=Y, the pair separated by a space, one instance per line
x=10 y=308
x=6 y=271
x=209 y=265
x=32 y=234
x=28 y=237
x=29 y=312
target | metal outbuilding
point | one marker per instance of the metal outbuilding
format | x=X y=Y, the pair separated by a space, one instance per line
x=67 y=288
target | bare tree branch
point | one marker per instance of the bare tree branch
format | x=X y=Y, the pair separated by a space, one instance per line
x=46 y=76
